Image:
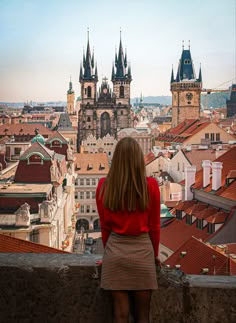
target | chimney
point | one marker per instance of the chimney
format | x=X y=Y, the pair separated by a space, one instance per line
x=206 y=165
x=216 y=175
x=189 y=173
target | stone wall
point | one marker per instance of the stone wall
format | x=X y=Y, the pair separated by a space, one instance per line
x=65 y=288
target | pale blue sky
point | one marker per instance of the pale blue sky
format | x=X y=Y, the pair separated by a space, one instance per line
x=42 y=43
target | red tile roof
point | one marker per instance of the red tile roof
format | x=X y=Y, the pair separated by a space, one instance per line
x=196 y=156
x=149 y=158
x=219 y=217
x=206 y=213
x=24 y=129
x=198 y=256
x=10 y=244
x=178 y=232
x=196 y=208
x=184 y=205
x=229 y=163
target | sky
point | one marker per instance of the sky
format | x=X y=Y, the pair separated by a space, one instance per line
x=42 y=41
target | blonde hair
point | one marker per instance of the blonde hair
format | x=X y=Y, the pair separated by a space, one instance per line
x=126 y=186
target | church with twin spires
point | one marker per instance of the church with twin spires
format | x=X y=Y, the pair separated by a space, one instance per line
x=104 y=111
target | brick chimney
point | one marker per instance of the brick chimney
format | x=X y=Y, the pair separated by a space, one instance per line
x=189 y=173
x=216 y=175
x=206 y=165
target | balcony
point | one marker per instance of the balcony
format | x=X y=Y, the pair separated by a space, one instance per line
x=65 y=288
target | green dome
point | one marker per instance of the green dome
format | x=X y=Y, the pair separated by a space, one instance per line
x=38 y=138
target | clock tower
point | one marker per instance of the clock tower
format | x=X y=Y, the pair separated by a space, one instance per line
x=186 y=90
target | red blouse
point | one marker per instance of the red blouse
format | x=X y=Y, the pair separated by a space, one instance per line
x=132 y=223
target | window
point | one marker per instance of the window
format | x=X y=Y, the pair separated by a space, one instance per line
x=211 y=228
x=87 y=181
x=89 y=92
x=207 y=136
x=217 y=136
x=183 y=168
x=81 y=195
x=178 y=166
x=179 y=214
x=212 y=137
x=82 y=181
x=82 y=209
x=35 y=159
x=56 y=143
x=34 y=236
x=93 y=195
x=200 y=224
x=87 y=195
x=122 y=91
x=188 y=219
x=76 y=196
x=87 y=208
x=17 y=151
x=93 y=181
x=121 y=112
x=88 y=119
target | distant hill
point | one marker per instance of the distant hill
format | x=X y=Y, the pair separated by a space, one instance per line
x=214 y=100
x=166 y=100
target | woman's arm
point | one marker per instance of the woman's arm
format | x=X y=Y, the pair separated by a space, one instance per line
x=104 y=228
x=154 y=215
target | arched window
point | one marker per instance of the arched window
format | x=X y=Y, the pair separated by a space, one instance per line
x=122 y=91
x=89 y=92
x=88 y=119
x=121 y=112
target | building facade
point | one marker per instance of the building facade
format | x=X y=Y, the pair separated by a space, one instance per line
x=186 y=90
x=108 y=111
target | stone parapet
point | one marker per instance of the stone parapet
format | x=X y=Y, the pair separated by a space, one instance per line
x=65 y=288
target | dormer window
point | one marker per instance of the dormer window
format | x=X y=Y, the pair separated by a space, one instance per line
x=200 y=224
x=102 y=166
x=179 y=214
x=187 y=61
x=189 y=219
x=56 y=143
x=35 y=159
x=211 y=228
x=90 y=166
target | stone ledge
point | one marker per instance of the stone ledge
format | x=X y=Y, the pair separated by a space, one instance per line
x=65 y=288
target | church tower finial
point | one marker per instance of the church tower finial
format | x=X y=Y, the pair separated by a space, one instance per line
x=189 y=44
x=183 y=44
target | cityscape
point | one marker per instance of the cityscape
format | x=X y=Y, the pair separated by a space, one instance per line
x=55 y=149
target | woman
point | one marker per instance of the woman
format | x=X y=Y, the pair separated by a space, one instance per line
x=128 y=204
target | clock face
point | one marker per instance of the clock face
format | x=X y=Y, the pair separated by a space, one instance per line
x=104 y=91
x=189 y=96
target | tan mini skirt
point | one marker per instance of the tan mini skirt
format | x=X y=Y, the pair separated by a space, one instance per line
x=128 y=263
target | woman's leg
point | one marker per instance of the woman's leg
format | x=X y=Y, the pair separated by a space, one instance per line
x=142 y=299
x=120 y=306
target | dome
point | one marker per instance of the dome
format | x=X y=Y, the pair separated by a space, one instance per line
x=38 y=138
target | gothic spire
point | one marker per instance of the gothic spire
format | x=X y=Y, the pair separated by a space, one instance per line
x=120 y=70
x=87 y=71
x=172 y=76
x=70 y=91
x=200 y=75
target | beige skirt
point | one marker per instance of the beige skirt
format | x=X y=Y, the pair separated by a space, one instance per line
x=128 y=263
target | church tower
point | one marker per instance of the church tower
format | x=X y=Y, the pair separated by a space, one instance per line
x=121 y=79
x=88 y=79
x=70 y=100
x=186 y=90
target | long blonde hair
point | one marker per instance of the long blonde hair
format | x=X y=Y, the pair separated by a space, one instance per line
x=126 y=186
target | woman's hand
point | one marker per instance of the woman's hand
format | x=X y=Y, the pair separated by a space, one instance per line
x=99 y=262
x=158 y=262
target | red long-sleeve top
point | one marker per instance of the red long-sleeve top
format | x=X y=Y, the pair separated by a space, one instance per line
x=132 y=223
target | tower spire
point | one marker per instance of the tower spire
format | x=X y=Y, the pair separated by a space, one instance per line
x=200 y=74
x=172 y=76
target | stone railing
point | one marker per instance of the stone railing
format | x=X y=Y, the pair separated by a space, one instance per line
x=65 y=288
